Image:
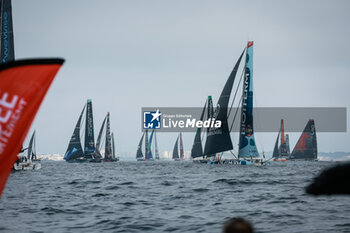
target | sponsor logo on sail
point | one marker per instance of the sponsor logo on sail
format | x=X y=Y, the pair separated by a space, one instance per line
x=11 y=107
x=5 y=38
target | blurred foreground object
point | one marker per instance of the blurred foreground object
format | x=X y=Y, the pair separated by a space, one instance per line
x=334 y=180
x=238 y=225
x=23 y=86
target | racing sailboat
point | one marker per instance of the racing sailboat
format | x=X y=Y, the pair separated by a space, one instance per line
x=75 y=152
x=109 y=141
x=281 y=151
x=306 y=147
x=148 y=155
x=248 y=152
x=29 y=161
x=218 y=139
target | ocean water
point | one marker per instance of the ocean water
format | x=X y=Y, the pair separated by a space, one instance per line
x=168 y=196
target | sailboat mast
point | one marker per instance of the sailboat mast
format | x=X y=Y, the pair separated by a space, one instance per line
x=247 y=146
x=34 y=147
x=156 y=152
x=210 y=112
x=182 y=155
x=146 y=143
x=149 y=149
x=108 y=143
x=113 y=146
x=282 y=132
x=89 y=132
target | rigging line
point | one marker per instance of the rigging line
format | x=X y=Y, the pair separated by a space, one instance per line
x=233 y=154
x=234 y=118
x=34 y=144
x=234 y=97
x=102 y=139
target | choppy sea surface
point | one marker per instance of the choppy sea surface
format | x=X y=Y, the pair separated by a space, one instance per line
x=168 y=196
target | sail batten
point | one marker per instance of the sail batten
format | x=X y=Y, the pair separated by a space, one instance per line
x=89 y=148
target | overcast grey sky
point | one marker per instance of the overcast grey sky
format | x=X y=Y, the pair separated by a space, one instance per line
x=128 y=54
